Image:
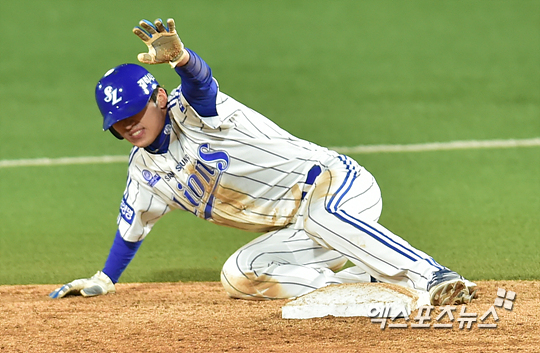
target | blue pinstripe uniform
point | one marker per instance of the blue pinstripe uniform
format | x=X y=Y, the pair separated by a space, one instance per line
x=230 y=165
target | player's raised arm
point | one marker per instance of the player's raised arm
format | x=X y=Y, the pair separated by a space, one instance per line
x=198 y=86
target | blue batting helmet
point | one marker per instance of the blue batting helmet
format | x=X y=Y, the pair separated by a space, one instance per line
x=123 y=92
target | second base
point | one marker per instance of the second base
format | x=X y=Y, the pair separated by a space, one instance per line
x=356 y=299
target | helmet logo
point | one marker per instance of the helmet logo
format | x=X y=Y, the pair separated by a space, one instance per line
x=145 y=81
x=111 y=95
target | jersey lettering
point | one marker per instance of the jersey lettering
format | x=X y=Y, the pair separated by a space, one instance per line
x=182 y=163
x=189 y=195
x=220 y=157
x=200 y=185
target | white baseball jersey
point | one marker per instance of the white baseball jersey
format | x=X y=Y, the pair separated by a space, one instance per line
x=237 y=169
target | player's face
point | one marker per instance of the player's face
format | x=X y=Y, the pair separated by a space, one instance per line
x=143 y=128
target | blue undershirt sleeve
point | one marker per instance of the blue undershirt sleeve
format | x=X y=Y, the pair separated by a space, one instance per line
x=120 y=255
x=198 y=86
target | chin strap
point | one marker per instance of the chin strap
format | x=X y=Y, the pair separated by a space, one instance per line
x=115 y=133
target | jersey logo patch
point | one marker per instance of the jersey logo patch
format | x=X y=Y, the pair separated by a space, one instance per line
x=126 y=211
x=150 y=179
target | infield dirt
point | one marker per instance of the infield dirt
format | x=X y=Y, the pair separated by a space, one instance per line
x=199 y=317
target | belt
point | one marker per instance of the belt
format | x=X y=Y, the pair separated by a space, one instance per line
x=311 y=176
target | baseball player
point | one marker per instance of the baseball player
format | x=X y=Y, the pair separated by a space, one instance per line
x=201 y=151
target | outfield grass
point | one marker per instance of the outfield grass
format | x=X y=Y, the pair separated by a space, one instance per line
x=339 y=73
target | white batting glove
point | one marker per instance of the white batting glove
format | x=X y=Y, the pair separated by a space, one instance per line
x=163 y=43
x=98 y=284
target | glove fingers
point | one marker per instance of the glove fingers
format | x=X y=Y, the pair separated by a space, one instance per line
x=159 y=25
x=63 y=291
x=172 y=26
x=141 y=34
x=59 y=292
x=146 y=58
x=148 y=27
x=92 y=291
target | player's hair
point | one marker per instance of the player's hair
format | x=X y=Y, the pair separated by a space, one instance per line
x=153 y=97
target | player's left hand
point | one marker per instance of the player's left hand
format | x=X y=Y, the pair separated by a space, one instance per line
x=163 y=42
x=98 y=284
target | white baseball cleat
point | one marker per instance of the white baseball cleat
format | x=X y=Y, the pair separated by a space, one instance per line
x=449 y=288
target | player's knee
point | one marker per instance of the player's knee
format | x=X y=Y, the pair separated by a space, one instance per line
x=235 y=286
x=235 y=282
x=245 y=284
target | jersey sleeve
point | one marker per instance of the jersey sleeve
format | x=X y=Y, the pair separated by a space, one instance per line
x=140 y=209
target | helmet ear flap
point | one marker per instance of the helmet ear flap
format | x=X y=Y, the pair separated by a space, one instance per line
x=115 y=133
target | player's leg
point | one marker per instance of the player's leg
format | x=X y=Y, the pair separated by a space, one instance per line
x=342 y=212
x=284 y=264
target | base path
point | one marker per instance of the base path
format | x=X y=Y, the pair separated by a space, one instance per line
x=199 y=317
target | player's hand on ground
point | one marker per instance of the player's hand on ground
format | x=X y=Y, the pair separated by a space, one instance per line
x=98 y=284
x=163 y=42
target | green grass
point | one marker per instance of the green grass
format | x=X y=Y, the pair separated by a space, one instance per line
x=339 y=73
x=474 y=211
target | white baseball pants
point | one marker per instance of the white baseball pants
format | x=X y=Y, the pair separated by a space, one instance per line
x=337 y=222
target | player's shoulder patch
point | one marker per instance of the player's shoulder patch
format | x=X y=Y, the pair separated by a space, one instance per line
x=151 y=178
